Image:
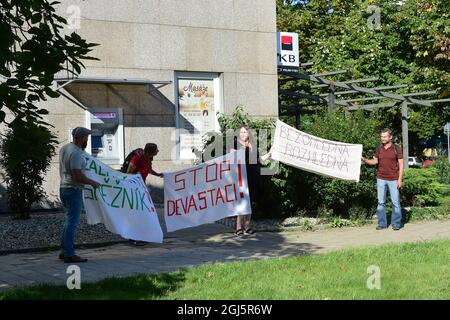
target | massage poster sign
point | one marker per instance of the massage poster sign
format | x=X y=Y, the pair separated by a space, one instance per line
x=197 y=113
x=122 y=203
x=207 y=192
x=313 y=154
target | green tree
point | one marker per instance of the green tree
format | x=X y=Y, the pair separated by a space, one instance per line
x=412 y=46
x=26 y=152
x=32 y=50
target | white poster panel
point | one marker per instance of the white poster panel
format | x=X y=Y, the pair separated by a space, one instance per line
x=197 y=111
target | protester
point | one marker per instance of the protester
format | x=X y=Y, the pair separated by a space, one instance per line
x=389 y=161
x=142 y=163
x=72 y=165
x=252 y=162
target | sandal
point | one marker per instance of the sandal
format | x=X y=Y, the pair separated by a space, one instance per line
x=249 y=231
x=239 y=232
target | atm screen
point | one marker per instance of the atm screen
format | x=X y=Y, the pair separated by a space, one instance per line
x=96 y=142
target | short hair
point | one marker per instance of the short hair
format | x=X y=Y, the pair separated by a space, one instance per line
x=386 y=130
x=150 y=148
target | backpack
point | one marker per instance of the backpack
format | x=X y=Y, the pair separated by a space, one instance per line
x=126 y=163
x=395 y=151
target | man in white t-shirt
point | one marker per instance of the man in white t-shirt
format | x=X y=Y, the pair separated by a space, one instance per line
x=72 y=164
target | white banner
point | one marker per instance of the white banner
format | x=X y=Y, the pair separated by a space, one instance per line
x=310 y=153
x=207 y=192
x=122 y=203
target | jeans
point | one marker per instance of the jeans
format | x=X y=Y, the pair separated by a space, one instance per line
x=72 y=200
x=382 y=186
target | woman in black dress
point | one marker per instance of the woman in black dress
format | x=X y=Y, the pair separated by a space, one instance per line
x=252 y=164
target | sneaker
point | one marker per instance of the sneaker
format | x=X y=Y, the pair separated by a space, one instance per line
x=395 y=228
x=74 y=259
x=381 y=227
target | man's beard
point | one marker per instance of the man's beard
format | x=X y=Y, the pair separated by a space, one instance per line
x=84 y=145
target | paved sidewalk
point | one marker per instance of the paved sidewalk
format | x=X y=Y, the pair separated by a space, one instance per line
x=206 y=244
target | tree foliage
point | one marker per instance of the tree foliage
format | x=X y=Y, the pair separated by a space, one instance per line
x=32 y=50
x=26 y=152
x=411 y=46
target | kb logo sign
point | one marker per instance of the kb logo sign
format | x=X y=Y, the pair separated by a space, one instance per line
x=287 y=49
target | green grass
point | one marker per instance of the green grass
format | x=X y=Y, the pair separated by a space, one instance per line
x=408 y=271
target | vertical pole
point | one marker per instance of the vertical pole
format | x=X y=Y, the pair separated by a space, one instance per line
x=405 y=133
x=331 y=98
x=448 y=144
x=297 y=119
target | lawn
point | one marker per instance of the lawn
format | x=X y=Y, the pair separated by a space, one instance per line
x=408 y=271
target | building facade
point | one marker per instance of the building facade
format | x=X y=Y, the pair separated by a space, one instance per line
x=163 y=65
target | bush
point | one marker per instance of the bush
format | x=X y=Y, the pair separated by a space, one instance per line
x=421 y=187
x=296 y=188
x=360 y=215
x=442 y=167
x=213 y=140
x=26 y=152
x=293 y=190
x=431 y=213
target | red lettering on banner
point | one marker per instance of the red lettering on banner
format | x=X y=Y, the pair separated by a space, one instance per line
x=195 y=174
x=184 y=204
x=182 y=180
x=224 y=168
x=197 y=202
x=219 y=195
x=226 y=192
x=201 y=198
x=177 y=207
x=240 y=178
x=211 y=196
x=169 y=212
x=191 y=204
x=215 y=172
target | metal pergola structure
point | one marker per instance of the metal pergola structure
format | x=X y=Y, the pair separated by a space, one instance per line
x=333 y=97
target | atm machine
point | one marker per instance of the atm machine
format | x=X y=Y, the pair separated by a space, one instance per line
x=106 y=140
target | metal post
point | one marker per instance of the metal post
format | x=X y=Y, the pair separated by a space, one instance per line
x=331 y=97
x=448 y=144
x=405 y=133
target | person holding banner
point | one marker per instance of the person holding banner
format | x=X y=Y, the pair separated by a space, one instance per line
x=142 y=163
x=252 y=163
x=72 y=165
x=389 y=161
